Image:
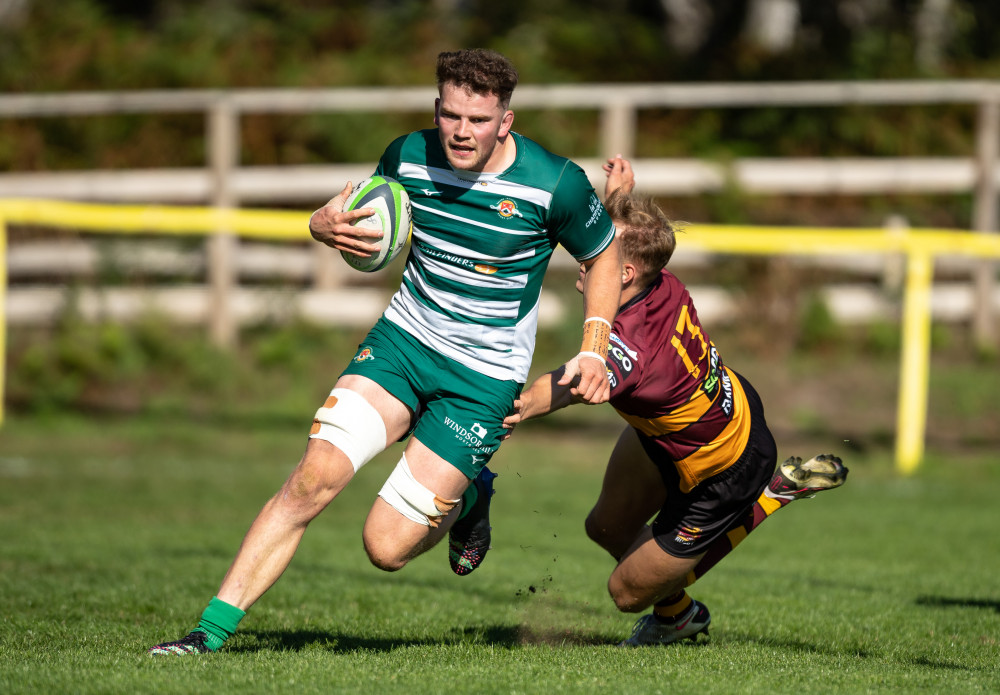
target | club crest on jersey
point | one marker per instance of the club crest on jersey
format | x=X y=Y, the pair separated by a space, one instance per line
x=506 y=208
x=364 y=354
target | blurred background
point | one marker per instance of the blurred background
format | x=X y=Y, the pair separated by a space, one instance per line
x=162 y=370
x=105 y=323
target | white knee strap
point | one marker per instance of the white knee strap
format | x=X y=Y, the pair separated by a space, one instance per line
x=351 y=424
x=412 y=499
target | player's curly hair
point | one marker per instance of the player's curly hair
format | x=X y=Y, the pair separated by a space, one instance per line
x=645 y=234
x=480 y=70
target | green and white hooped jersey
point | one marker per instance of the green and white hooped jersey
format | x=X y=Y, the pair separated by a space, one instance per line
x=480 y=247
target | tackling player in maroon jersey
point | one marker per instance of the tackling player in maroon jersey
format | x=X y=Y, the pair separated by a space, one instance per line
x=697 y=453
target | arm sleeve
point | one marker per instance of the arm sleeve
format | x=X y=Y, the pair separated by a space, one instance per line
x=577 y=218
x=388 y=163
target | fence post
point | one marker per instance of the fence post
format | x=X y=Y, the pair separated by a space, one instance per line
x=985 y=220
x=911 y=411
x=618 y=129
x=221 y=247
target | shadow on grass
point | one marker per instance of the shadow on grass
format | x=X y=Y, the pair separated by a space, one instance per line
x=794 y=645
x=945 y=602
x=509 y=636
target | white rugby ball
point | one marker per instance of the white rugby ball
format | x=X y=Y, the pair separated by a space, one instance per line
x=392 y=216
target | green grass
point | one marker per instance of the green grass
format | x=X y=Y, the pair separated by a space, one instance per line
x=117 y=532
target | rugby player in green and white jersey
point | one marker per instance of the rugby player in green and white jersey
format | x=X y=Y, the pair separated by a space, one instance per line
x=446 y=361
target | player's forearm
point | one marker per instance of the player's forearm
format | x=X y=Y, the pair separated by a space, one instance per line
x=544 y=396
x=602 y=285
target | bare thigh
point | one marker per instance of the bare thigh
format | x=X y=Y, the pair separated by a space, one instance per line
x=648 y=574
x=631 y=494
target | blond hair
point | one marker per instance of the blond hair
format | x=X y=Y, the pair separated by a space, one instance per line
x=645 y=234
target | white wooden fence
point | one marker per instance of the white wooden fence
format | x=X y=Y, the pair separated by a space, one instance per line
x=224 y=183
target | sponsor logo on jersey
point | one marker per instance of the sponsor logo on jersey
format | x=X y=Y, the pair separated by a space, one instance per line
x=364 y=354
x=485 y=269
x=717 y=382
x=429 y=193
x=711 y=382
x=631 y=353
x=620 y=358
x=506 y=208
x=445 y=257
x=727 y=395
x=595 y=210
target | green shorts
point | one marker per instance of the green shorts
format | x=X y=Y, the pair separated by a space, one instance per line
x=459 y=412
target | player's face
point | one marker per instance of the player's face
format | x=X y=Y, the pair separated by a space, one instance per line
x=472 y=128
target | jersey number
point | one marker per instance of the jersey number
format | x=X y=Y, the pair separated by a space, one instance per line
x=685 y=325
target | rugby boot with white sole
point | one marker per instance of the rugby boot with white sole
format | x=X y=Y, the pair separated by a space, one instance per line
x=650 y=630
x=795 y=479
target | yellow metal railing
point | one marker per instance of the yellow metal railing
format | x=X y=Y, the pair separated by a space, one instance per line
x=920 y=248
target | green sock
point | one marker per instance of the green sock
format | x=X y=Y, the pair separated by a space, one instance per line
x=469 y=498
x=219 y=622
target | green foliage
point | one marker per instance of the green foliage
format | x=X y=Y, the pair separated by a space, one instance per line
x=111 y=45
x=883 y=338
x=106 y=365
x=818 y=329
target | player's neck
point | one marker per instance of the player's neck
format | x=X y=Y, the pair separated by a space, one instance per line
x=503 y=155
x=631 y=290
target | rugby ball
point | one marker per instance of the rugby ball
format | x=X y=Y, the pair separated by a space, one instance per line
x=392 y=216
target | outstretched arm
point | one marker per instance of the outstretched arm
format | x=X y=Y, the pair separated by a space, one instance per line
x=543 y=396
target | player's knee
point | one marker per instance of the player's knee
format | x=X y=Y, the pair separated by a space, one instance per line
x=385 y=556
x=318 y=478
x=626 y=600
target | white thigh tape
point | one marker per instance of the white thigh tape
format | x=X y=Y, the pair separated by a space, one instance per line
x=412 y=499
x=352 y=425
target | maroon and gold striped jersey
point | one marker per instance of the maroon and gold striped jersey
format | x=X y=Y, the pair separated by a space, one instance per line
x=668 y=381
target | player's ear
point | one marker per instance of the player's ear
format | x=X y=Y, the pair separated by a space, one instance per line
x=437 y=111
x=506 y=122
x=630 y=275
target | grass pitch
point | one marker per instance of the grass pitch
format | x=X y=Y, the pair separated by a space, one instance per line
x=116 y=534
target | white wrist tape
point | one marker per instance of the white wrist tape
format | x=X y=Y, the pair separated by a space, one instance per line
x=588 y=353
x=598 y=318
